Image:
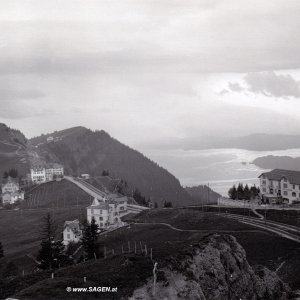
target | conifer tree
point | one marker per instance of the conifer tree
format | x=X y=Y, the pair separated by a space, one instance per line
x=51 y=254
x=247 y=193
x=90 y=239
x=240 y=192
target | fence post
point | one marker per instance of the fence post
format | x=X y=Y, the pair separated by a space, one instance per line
x=146 y=252
x=129 y=246
x=135 y=247
x=154 y=278
x=141 y=246
x=151 y=253
x=84 y=279
x=52 y=275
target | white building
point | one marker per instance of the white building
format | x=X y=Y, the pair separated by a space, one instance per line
x=85 y=176
x=11 y=192
x=72 y=232
x=48 y=173
x=11 y=198
x=10 y=185
x=279 y=186
x=107 y=212
x=50 y=139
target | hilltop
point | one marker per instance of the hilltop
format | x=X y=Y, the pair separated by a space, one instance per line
x=81 y=150
x=278 y=162
x=13 y=150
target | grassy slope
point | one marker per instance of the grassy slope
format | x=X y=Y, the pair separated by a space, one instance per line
x=57 y=194
x=291 y=217
x=261 y=247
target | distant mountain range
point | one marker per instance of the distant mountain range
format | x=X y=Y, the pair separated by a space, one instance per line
x=81 y=150
x=254 y=142
x=278 y=162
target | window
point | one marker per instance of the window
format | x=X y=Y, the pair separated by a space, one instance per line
x=101 y=224
x=100 y=219
x=285 y=185
x=294 y=194
x=285 y=193
x=284 y=179
x=264 y=182
x=68 y=236
x=294 y=186
x=264 y=190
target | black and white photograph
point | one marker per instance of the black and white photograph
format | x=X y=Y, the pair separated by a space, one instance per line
x=150 y=149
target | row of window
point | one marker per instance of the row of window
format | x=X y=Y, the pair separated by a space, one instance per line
x=285 y=185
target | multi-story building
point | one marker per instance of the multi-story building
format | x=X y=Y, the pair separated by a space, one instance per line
x=107 y=212
x=46 y=173
x=279 y=186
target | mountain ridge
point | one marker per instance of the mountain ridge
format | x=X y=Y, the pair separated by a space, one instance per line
x=82 y=150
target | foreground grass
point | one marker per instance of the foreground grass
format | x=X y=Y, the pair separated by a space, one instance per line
x=262 y=248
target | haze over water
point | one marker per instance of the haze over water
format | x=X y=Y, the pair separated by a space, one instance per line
x=221 y=168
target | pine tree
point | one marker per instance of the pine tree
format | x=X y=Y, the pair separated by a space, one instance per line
x=240 y=192
x=247 y=193
x=1 y=250
x=89 y=239
x=232 y=193
x=51 y=254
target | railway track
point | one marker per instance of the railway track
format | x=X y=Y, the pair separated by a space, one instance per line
x=287 y=231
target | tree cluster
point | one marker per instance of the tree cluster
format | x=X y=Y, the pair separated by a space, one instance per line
x=243 y=192
x=168 y=204
x=11 y=172
x=137 y=196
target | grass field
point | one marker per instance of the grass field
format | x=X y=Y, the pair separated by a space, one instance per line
x=56 y=194
x=287 y=216
x=262 y=247
x=20 y=231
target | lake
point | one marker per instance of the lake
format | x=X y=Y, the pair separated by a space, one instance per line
x=220 y=168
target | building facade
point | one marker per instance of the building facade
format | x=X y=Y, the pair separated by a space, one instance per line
x=11 y=192
x=72 y=232
x=280 y=186
x=107 y=213
x=45 y=174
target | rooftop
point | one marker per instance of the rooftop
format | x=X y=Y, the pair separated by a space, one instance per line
x=73 y=225
x=278 y=174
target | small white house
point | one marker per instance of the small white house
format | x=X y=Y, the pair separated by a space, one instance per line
x=10 y=185
x=50 y=139
x=11 y=198
x=85 y=176
x=72 y=232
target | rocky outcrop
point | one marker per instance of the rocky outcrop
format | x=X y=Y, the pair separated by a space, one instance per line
x=215 y=268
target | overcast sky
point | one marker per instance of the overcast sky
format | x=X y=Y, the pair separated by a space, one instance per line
x=146 y=71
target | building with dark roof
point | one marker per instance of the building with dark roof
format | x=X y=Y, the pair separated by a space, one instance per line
x=280 y=186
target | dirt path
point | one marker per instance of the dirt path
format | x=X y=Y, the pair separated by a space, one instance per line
x=197 y=230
